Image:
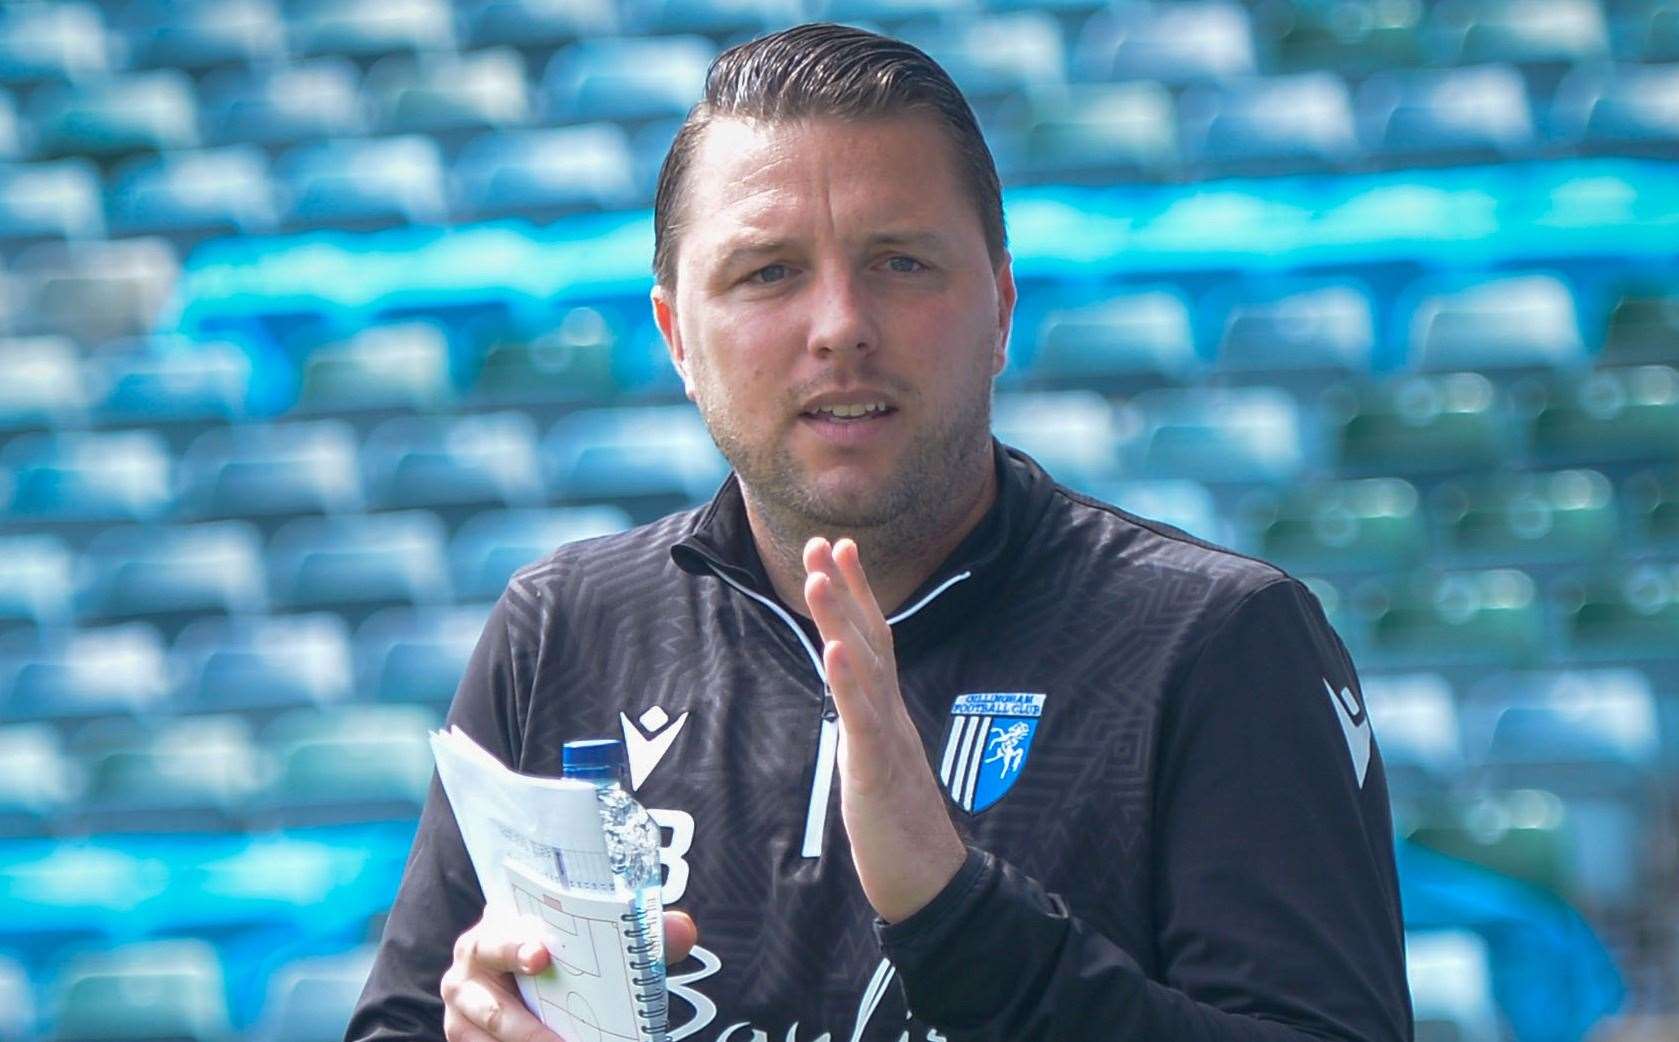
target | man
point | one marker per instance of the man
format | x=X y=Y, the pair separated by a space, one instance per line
x=1096 y=779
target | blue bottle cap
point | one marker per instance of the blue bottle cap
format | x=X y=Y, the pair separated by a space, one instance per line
x=593 y=759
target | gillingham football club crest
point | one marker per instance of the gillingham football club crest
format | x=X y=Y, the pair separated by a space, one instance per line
x=985 y=751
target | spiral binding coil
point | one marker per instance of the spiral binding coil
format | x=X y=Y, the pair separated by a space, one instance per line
x=652 y=1002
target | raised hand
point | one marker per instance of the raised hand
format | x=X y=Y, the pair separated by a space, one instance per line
x=902 y=839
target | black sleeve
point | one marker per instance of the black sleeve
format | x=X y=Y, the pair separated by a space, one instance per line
x=440 y=897
x=1276 y=901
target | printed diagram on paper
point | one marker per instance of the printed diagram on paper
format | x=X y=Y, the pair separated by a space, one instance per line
x=586 y=996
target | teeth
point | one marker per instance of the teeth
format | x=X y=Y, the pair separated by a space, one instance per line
x=848 y=412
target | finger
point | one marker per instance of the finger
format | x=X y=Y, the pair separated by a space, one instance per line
x=858 y=713
x=833 y=622
x=849 y=559
x=680 y=936
x=498 y=1013
x=495 y=946
x=852 y=602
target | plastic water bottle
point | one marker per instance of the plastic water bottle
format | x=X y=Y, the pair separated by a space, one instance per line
x=632 y=848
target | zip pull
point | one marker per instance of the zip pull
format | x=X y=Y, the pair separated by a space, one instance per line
x=830 y=711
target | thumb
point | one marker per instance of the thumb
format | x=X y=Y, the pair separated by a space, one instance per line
x=680 y=936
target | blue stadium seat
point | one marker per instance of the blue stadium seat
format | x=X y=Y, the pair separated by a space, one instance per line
x=114 y=671
x=1303 y=121
x=1651 y=32
x=351 y=562
x=1651 y=498
x=1186 y=505
x=140 y=112
x=374 y=183
x=892 y=14
x=284 y=104
x=41 y=384
x=1137 y=337
x=203 y=34
x=402 y=366
x=659 y=453
x=1415 y=720
x=37 y=581
x=1602 y=717
x=1643 y=324
x=1000 y=55
x=537 y=23
x=173 y=573
x=169 y=381
x=311 y=999
x=1298 y=333
x=1520 y=31
x=1498 y=324
x=1451 y=978
x=1175 y=43
x=38 y=783
x=1074 y=434
x=42 y=43
x=1459 y=619
x=626 y=79
x=191 y=775
x=1624 y=615
x=494 y=543
x=429 y=461
x=164 y=989
x=355 y=763
x=1621 y=108
x=719 y=19
x=1343 y=527
x=357 y=30
x=1232 y=435
x=1092 y=132
x=1477 y=112
x=96 y=292
x=281 y=661
x=434 y=93
x=407 y=655
x=1611 y=415
x=1353 y=37
x=87 y=477
x=263 y=471
x=1450 y=423
x=214 y=192
x=1560 y=517
x=57 y=200
x=545 y=172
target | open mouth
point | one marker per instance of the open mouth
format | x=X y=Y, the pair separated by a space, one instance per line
x=851 y=413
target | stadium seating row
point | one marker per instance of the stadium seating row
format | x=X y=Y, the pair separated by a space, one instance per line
x=461 y=142
x=42 y=42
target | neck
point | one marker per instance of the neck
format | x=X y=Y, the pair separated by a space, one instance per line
x=898 y=555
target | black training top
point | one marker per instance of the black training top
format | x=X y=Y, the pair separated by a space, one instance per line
x=1155 y=748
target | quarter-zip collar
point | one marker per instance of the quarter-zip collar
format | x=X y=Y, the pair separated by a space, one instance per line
x=720 y=544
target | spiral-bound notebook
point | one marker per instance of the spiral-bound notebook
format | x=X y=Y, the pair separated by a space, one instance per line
x=537 y=848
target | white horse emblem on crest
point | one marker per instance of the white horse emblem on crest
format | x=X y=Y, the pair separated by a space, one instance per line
x=985 y=729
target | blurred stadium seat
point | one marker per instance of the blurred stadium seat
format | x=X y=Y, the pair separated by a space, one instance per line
x=397 y=367
x=1071 y=433
x=271 y=471
x=37 y=782
x=140 y=112
x=1499 y=325
x=647 y=459
x=170 y=575
x=1176 y=42
x=1185 y=505
x=1619 y=108
x=370 y=183
x=203 y=34
x=1094 y=131
x=356 y=763
x=436 y=93
x=213 y=192
x=254 y=664
x=310 y=1000
x=41 y=384
x=95 y=292
x=626 y=79
x=1267 y=125
x=350 y=29
x=537 y=23
x=45 y=201
x=1421 y=425
x=1486 y=618
x=52 y=42
x=166 y=989
x=1415 y=719
x=1565 y=516
x=191 y=775
x=1643 y=324
x=547 y=171
x=88 y=477
x=1247 y=435
x=493 y=544
x=350 y=562
x=37 y=581
x=1298 y=334
x=284 y=104
x=487 y=458
x=1474 y=113
x=1374 y=524
x=1608 y=416
x=112 y=672
x=1135 y=338
x=409 y=655
x=1451 y=987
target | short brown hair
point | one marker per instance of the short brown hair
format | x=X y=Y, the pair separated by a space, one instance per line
x=820 y=69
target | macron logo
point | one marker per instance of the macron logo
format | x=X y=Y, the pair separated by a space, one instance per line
x=647 y=744
x=1355 y=724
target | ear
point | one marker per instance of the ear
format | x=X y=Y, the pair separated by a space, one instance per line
x=664 y=316
x=1006 y=295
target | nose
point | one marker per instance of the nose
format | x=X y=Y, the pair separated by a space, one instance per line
x=842 y=319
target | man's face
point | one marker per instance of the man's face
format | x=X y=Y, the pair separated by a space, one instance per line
x=836 y=316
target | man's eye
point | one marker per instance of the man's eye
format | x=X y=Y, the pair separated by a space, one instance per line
x=905 y=264
x=770 y=273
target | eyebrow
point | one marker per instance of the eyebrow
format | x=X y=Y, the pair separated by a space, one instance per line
x=748 y=249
